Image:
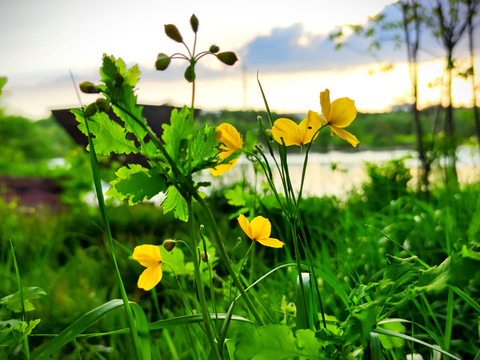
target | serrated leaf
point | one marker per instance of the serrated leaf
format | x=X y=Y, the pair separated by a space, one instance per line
x=176 y=203
x=12 y=333
x=136 y=183
x=174 y=134
x=133 y=76
x=13 y=302
x=203 y=148
x=109 y=137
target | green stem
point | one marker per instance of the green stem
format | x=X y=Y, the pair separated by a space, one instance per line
x=226 y=260
x=198 y=278
x=103 y=212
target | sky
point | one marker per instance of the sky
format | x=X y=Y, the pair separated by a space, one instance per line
x=285 y=42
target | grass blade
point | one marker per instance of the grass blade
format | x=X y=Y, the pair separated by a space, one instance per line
x=20 y=291
x=75 y=329
x=410 y=338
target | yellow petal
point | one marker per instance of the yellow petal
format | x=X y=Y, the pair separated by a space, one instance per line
x=271 y=242
x=309 y=126
x=245 y=225
x=147 y=255
x=223 y=168
x=325 y=104
x=261 y=228
x=342 y=112
x=229 y=137
x=345 y=135
x=150 y=277
x=287 y=130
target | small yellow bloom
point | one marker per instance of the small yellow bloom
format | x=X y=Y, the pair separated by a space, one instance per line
x=230 y=141
x=338 y=114
x=150 y=257
x=259 y=230
x=293 y=134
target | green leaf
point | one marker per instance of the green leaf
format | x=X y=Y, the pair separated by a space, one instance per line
x=390 y=342
x=133 y=76
x=12 y=334
x=74 y=329
x=175 y=260
x=14 y=303
x=3 y=80
x=277 y=342
x=175 y=201
x=110 y=137
x=176 y=133
x=136 y=183
x=203 y=148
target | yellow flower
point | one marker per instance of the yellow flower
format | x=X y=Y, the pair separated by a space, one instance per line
x=338 y=114
x=230 y=141
x=150 y=257
x=259 y=230
x=293 y=134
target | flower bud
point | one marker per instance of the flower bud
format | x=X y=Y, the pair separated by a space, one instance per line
x=190 y=73
x=214 y=49
x=88 y=88
x=259 y=118
x=169 y=244
x=162 y=62
x=269 y=133
x=103 y=105
x=204 y=256
x=90 y=110
x=173 y=33
x=194 y=23
x=227 y=57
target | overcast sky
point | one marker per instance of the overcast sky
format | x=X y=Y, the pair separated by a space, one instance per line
x=285 y=41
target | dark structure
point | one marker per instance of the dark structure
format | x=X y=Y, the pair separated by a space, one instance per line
x=31 y=191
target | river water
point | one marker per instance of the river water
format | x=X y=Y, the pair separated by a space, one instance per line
x=339 y=172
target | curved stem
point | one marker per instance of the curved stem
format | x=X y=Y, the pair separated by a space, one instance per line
x=201 y=292
x=226 y=260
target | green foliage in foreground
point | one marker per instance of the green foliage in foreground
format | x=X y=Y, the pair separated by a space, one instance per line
x=384 y=252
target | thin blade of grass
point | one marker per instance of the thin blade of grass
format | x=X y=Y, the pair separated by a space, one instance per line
x=20 y=291
x=75 y=329
x=465 y=297
x=375 y=347
x=143 y=330
x=410 y=338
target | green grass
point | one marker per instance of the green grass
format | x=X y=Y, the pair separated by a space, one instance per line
x=357 y=244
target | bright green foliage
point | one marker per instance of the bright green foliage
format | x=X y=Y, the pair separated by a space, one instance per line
x=13 y=302
x=136 y=183
x=180 y=143
x=390 y=342
x=175 y=201
x=204 y=148
x=3 y=80
x=12 y=334
x=175 y=260
x=110 y=137
x=178 y=133
x=278 y=342
x=119 y=89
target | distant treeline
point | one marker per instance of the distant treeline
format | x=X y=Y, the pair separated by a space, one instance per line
x=374 y=130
